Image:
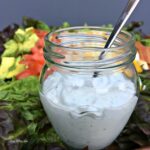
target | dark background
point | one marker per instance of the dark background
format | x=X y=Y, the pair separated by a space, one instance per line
x=76 y=12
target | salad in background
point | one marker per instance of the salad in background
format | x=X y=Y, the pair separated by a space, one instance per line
x=23 y=123
x=21 y=48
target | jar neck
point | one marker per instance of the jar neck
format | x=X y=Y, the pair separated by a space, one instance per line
x=79 y=48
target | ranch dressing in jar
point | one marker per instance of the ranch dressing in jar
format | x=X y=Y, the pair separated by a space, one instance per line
x=87 y=110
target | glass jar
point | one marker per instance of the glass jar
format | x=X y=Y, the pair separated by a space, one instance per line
x=87 y=96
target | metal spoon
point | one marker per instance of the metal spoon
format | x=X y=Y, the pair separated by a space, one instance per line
x=131 y=5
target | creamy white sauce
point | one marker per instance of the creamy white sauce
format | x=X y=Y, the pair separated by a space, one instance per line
x=88 y=111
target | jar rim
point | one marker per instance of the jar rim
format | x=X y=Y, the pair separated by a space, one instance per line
x=125 y=51
x=130 y=35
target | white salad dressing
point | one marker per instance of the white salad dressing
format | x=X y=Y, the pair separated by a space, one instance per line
x=88 y=111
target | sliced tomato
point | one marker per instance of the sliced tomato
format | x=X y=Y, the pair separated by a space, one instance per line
x=24 y=74
x=144 y=51
x=34 y=57
x=40 y=43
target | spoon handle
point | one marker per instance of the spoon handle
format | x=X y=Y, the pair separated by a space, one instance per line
x=131 y=5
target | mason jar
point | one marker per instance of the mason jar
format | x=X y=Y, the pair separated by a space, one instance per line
x=88 y=92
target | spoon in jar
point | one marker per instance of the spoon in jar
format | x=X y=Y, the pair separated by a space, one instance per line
x=128 y=10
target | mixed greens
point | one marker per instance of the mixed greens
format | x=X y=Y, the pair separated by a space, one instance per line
x=28 y=120
x=23 y=122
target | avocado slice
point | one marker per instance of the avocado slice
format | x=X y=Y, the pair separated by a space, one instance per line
x=6 y=63
x=10 y=48
x=16 y=69
x=10 y=67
